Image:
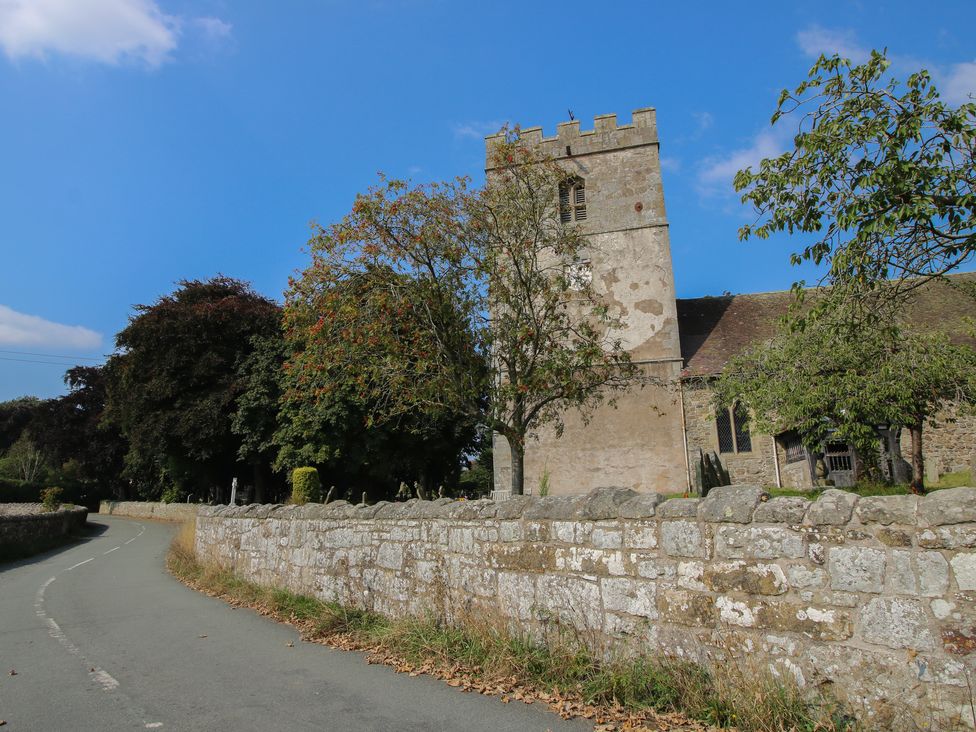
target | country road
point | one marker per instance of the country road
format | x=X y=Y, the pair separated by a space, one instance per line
x=97 y=636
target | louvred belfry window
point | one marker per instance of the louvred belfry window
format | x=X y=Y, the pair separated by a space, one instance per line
x=572 y=200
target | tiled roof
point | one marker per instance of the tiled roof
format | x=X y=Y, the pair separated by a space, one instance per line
x=714 y=329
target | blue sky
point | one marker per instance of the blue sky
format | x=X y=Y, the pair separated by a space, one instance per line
x=147 y=141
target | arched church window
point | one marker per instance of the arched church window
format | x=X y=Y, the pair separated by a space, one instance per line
x=572 y=200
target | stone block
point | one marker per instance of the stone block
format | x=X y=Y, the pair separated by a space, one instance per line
x=803 y=577
x=640 y=535
x=918 y=573
x=607 y=537
x=887 y=510
x=643 y=505
x=603 y=503
x=753 y=579
x=781 y=510
x=679 y=508
x=826 y=624
x=951 y=506
x=947 y=537
x=572 y=600
x=686 y=608
x=964 y=570
x=731 y=504
x=757 y=542
x=833 y=508
x=683 y=539
x=896 y=623
x=622 y=595
x=893 y=537
x=690 y=574
x=855 y=568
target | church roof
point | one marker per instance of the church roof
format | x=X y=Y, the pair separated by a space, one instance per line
x=714 y=329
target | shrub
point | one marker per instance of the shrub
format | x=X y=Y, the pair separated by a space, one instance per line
x=51 y=498
x=305 y=486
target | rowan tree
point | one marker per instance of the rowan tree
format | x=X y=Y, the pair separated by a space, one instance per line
x=454 y=301
x=881 y=177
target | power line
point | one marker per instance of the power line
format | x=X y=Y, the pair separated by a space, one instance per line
x=52 y=355
x=46 y=363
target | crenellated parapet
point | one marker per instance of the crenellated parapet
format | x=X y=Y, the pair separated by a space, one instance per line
x=570 y=141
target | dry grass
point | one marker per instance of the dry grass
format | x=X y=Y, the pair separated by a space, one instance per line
x=478 y=655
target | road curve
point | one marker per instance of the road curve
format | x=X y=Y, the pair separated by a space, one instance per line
x=97 y=636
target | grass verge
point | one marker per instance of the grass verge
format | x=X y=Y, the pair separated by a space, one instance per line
x=636 y=693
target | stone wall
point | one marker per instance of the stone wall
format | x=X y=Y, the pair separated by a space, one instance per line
x=873 y=599
x=28 y=529
x=150 y=510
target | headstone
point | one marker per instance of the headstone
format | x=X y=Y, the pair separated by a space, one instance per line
x=233 y=492
x=931 y=471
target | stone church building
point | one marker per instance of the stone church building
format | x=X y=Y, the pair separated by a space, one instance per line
x=651 y=440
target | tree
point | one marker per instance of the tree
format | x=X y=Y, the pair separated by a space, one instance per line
x=881 y=175
x=328 y=419
x=446 y=300
x=72 y=430
x=16 y=416
x=835 y=378
x=175 y=382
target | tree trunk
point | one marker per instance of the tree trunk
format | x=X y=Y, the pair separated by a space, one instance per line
x=918 y=466
x=517 y=447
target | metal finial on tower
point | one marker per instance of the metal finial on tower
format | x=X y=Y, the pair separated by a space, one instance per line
x=571 y=115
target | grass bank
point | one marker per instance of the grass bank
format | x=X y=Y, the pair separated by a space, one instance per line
x=626 y=694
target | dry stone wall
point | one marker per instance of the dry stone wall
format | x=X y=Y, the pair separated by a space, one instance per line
x=26 y=528
x=150 y=510
x=873 y=599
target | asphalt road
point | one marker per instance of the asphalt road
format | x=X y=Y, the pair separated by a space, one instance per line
x=101 y=638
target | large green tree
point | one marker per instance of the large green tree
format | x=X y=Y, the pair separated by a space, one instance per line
x=455 y=301
x=879 y=183
x=72 y=431
x=844 y=380
x=176 y=379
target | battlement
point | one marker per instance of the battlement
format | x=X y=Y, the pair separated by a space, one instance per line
x=570 y=141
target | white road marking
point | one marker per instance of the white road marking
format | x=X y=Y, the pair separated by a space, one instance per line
x=73 y=566
x=112 y=550
x=142 y=530
x=103 y=677
x=153 y=725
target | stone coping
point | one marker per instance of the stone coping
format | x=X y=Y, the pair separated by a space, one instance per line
x=36 y=512
x=739 y=504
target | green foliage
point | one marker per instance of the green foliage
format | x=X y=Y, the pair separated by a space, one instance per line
x=51 y=498
x=405 y=298
x=305 y=486
x=842 y=381
x=174 y=384
x=173 y=494
x=544 y=484
x=16 y=416
x=711 y=472
x=881 y=175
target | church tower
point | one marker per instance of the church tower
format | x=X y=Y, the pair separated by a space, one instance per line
x=614 y=193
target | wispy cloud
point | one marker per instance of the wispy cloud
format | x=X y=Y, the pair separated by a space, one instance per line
x=715 y=173
x=477 y=130
x=20 y=329
x=815 y=40
x=106 y=31
x=670 y=164
x=957 y=84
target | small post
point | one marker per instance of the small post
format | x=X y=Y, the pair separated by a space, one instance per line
x=233 y=492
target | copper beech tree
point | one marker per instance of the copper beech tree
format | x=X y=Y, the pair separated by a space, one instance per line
x=450 y=300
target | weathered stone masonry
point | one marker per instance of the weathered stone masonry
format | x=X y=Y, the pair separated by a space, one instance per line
x=34 y=530
x=872 y=597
